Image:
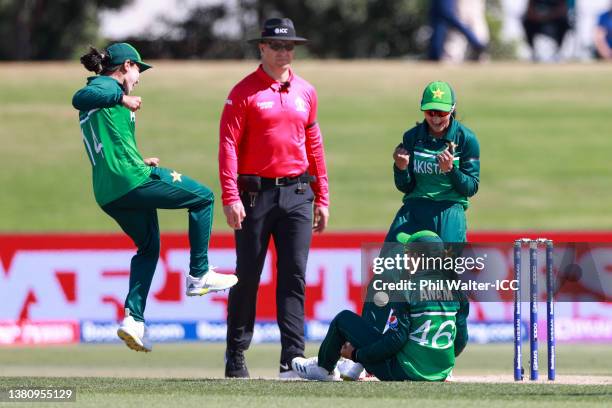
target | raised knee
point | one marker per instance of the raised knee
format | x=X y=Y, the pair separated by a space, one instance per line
x=207 y=199
x=343 y=315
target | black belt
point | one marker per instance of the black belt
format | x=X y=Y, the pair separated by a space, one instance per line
x=268 y=183
x=252 y=183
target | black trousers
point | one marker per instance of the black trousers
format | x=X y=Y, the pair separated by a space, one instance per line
x=286 y=216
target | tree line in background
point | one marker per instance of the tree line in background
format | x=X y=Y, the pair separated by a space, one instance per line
x=61 y=29
x=49 y=30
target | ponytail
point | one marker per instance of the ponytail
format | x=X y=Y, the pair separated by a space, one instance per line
x=96 y=61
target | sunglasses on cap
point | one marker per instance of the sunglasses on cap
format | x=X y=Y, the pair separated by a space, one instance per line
x=440 y=114
x=278 y=45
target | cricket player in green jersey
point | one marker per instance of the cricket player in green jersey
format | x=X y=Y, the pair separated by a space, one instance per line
x=425 y=331
x=437 y=167
x=130 y=189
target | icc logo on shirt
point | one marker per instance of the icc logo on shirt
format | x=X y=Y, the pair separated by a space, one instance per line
x=300 y=105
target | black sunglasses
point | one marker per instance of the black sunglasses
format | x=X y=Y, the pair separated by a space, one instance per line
x=277 y=45
x=440 y=114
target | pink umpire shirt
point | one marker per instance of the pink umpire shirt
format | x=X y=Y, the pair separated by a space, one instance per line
x=270 y=129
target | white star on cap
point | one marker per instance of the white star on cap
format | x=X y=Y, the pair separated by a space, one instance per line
x=176 y=176
x=438 y=93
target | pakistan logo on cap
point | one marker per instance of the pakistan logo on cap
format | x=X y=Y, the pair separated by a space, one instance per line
x=438 y=93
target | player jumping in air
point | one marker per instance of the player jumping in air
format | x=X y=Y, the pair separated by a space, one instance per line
x=426 y=330
x=130 y=189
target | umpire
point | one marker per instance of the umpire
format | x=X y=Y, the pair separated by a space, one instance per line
x=272 y=169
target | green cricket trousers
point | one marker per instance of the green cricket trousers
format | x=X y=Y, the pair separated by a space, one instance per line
x=348 y=326
x=445 y=218
x=136 y=214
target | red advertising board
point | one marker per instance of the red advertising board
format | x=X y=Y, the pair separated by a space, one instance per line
x=62 y=279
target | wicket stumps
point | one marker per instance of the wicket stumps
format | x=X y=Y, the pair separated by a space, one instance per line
x=533 y=308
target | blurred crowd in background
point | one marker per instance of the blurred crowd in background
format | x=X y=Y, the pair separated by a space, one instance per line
x=438 y=30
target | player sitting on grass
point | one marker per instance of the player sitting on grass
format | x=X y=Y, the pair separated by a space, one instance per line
x=422 y=337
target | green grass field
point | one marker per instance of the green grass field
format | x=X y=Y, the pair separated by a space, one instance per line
x=543 y=131
x=188 y=375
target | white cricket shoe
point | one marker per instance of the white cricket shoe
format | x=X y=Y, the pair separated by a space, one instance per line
x=211 y=282
x=350 y=370
x=288 y=375
x=135 y=335
x=308 y=368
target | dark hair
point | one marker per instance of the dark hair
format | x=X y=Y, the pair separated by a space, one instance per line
x=97 y=61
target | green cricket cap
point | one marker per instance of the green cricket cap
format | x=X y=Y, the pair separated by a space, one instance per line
x=121 y=52
x=438 y=95
x=425 y=241
x=421 y=236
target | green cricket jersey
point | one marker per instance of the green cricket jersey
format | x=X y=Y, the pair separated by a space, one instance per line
x=425 y=332
x=423 y=178
x=108 y=132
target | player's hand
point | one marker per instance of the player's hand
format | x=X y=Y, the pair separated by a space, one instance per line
x=347 y=350
x=321 y=216
x=152 y=161
x=445 y=161
x=133 y=103
x=234 y=215
x=401 y=157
